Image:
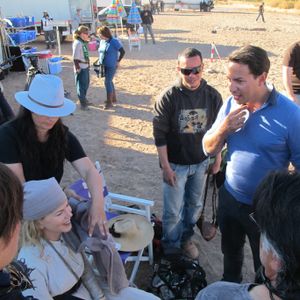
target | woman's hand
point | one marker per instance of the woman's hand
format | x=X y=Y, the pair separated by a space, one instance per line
x=97 y=216
x=91 y=176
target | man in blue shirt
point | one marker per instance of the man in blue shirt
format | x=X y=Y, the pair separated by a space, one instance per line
x=261 y=130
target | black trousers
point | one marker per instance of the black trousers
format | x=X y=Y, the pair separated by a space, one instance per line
x=235 y=224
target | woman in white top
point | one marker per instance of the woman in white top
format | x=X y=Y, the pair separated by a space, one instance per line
x=59 y=272
x=81 y=62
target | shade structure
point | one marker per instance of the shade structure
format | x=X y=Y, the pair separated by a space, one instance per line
x=134 y=16
x=116 y=12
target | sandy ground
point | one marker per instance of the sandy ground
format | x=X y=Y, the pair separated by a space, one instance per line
x=122 y=139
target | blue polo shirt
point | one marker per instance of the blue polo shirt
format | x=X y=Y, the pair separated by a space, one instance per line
x=111 y=49
x=269 y=140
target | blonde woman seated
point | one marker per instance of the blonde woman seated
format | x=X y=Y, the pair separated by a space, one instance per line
x=58 y=272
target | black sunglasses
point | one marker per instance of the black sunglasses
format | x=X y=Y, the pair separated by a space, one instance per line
x=187 y=72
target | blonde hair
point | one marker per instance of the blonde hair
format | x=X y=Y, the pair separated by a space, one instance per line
x=31 y=234
x=81 y=29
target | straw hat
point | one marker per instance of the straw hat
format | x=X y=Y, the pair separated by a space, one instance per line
x=132 y=232
x=46 y=97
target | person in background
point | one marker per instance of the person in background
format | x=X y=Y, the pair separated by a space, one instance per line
x=162 y=6
x=182 y=115
x=36 y=143
x=81 y=62
x=261 y=10
x=76 y=21
x=147 y=21
x=260 y=138
x=152 y=6
x=291 y=72
x=58 y=272
x=14 y=276
x=111 y=52
x=157 y=6
x=47 y=28
x=277 y=215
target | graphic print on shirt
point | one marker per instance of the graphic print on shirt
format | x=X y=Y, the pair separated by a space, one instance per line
x=192 y=120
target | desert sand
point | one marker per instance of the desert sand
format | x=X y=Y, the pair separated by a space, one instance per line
x=122 y=138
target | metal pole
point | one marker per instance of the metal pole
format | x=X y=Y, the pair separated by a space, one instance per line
x=121 y=25
x=58 y=40
x=93 y=25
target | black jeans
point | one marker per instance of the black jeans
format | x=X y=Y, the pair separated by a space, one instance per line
x=235 y=224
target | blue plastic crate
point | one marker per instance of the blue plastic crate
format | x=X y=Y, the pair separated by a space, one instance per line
x=22 y=36
x=31 y=35
x=19 y=37
x=14 y=37
x=18 y=22
x=29 y=20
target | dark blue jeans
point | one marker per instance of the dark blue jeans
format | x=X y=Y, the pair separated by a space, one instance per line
x=108 y=82
x=82 y=80
x=235 y=224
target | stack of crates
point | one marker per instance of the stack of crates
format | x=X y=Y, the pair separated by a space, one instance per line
x=20 y=36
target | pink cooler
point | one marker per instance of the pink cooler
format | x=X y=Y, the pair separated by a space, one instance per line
x=92 y=46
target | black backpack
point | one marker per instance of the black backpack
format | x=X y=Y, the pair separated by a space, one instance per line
x=179 y=278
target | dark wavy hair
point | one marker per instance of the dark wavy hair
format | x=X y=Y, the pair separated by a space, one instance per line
x=277 y=212
x=52 y=156
x=11 y=202
x=254 y=57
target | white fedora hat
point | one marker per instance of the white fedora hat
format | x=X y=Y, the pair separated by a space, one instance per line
x=46 y=97
x=132 y=232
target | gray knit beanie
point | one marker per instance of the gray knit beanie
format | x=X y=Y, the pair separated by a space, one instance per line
x=41 y=197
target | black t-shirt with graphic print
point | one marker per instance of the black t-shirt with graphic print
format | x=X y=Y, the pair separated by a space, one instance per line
x=181 y=118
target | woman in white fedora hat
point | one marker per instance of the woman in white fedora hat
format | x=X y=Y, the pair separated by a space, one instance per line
x=58 y=271
x=36 y=144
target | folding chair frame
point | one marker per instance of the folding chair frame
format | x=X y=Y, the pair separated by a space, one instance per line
x=140 y=207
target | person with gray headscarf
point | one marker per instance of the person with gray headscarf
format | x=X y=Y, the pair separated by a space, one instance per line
x=58 y=271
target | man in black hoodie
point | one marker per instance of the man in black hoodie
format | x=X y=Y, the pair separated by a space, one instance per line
x=183 y=113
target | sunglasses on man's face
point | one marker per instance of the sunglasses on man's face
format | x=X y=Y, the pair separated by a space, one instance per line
x=187 y=72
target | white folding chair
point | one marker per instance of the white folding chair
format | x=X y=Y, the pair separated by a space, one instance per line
x=122 y=203
x=134 y=41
